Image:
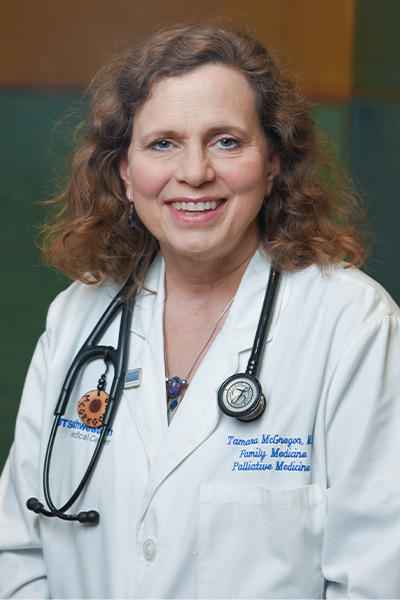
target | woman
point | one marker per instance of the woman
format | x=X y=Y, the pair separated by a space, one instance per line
x=197 y=174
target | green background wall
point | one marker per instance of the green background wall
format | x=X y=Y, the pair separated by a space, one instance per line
x=362 y=118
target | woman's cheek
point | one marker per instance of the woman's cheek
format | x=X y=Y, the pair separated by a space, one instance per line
x=148 y=182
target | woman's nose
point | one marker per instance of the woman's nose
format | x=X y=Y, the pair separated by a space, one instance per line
x=195 y=167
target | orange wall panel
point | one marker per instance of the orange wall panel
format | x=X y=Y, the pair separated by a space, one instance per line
x=63 y=42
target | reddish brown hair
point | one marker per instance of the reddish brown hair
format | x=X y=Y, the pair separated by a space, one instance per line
x=305 y=220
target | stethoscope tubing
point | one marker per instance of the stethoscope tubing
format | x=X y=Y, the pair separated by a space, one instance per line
x=89 y=352
x=264 y=322
x=60 y=512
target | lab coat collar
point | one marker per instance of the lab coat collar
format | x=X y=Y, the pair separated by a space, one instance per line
x=149 y=299
x=244 y=312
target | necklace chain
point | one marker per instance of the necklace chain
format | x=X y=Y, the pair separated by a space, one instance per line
x=175 y=384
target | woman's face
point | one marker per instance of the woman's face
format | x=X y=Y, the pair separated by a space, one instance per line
x=198 y=165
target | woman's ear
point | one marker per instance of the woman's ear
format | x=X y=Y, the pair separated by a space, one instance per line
x=125 y=176
x=274 y=167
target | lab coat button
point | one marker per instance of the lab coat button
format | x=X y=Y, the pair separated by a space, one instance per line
x=149 y=549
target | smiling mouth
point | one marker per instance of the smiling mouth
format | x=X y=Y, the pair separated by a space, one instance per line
x=196 y=207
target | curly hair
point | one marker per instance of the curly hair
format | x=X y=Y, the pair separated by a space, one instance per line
x=308 y=217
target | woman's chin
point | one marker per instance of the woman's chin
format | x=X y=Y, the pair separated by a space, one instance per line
x=192 y=251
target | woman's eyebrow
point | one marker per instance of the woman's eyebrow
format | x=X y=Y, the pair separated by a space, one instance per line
x=228 y=128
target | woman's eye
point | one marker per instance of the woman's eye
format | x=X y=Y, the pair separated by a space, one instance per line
x=228 y=142
x=161 y=145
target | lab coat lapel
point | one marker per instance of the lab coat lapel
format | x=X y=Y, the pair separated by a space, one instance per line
x=147 y=403
x=198 y=415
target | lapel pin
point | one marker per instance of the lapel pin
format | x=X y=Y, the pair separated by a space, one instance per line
x=133 y=378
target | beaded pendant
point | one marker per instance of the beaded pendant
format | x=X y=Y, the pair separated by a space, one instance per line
x=174 y=394
x=174 y=386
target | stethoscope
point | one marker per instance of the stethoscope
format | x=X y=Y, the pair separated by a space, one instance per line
x=239 y=396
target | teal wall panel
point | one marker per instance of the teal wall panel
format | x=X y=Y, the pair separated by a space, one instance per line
x=366 y=135
x=27 y=165
x=376 y=65
x=333 y=120
x=375 y=163
x=375 y=130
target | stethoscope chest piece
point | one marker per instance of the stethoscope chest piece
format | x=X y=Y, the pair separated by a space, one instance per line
x=241 y=396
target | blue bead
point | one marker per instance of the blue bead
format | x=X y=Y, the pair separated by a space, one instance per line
x=173 y=405
x=174 y=387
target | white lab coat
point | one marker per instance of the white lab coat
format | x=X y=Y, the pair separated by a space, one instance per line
x=300 y=503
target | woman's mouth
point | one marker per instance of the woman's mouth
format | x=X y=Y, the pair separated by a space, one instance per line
x=196 y=207
x=197 y=211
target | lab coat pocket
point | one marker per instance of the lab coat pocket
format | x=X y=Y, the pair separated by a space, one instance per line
x=258 y=542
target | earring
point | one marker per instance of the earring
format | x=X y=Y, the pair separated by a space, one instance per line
x=131 y=222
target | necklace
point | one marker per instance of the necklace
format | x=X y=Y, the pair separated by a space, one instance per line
x=175 y=384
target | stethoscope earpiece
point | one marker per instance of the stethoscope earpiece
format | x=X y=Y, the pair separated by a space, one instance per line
x=90 y=517
x=35 y=505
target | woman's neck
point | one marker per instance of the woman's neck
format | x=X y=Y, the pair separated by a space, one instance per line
x=199 y=276
x=198 y=294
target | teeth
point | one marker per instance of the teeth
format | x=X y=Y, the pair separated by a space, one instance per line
x=196 y=206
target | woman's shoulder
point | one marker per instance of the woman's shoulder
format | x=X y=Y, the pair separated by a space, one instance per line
x=332 y=309
x=342 y=291
x=80 y=303
x=358 y=282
